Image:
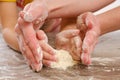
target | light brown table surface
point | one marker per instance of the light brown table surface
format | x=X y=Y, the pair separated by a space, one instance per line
x=105 y=64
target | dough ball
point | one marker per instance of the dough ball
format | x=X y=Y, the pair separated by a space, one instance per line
x=64 y=60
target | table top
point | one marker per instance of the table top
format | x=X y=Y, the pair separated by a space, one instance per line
x=105 y=63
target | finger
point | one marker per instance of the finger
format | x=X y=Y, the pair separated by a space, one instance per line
x=91 y=50
x=88 y=42
x=28 y=55
x=92 y=23
x=47 y=62
x=26 y=8
x=42 y=36
x=29 y=36
x=93 y=31
x=81 y=25
x=47 y=48
x=29 y=63
x=76 y=46
x=75 y=57
x=48 y=56
x=88 y=46
x=17 y=29
x=86 y=56
x=81 y=21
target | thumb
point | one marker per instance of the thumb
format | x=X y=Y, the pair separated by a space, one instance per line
x=42 y=36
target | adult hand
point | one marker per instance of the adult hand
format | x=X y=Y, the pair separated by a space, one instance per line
x=26 y=32
x=35 y=58
x=89 y=32
x=69 y=40
x=28 y=44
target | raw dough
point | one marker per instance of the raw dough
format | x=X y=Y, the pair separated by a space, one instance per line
x=64 y=60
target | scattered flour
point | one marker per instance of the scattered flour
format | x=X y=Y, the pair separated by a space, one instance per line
x=64 y=60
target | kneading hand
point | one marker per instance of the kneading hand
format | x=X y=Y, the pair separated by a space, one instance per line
x=89 y=31
x=26 y=32
x=69 y=40
x=31 y=44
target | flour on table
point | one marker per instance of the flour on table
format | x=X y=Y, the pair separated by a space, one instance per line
x=64 y=60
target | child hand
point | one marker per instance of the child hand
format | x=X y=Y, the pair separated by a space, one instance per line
x=69 y=40
x=89 y=32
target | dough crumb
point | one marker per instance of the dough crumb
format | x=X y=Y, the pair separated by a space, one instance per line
x=64 y=60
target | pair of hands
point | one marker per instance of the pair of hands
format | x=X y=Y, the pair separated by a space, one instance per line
x=33 y=43
x=80 y=42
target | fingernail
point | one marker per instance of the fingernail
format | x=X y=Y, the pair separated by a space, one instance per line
x=32 y=66
x=38 y=67
x=89 y=60
x=84 y=58
x=55 y=58
x=52 y=53
x=49 y=64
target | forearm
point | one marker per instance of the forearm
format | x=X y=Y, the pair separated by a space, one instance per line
x=9 y=18
x=8 y=13
x=110 y=20
x=72 y=8
x=10 y=38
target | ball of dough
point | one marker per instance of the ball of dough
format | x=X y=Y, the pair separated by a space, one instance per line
x=64 y=60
